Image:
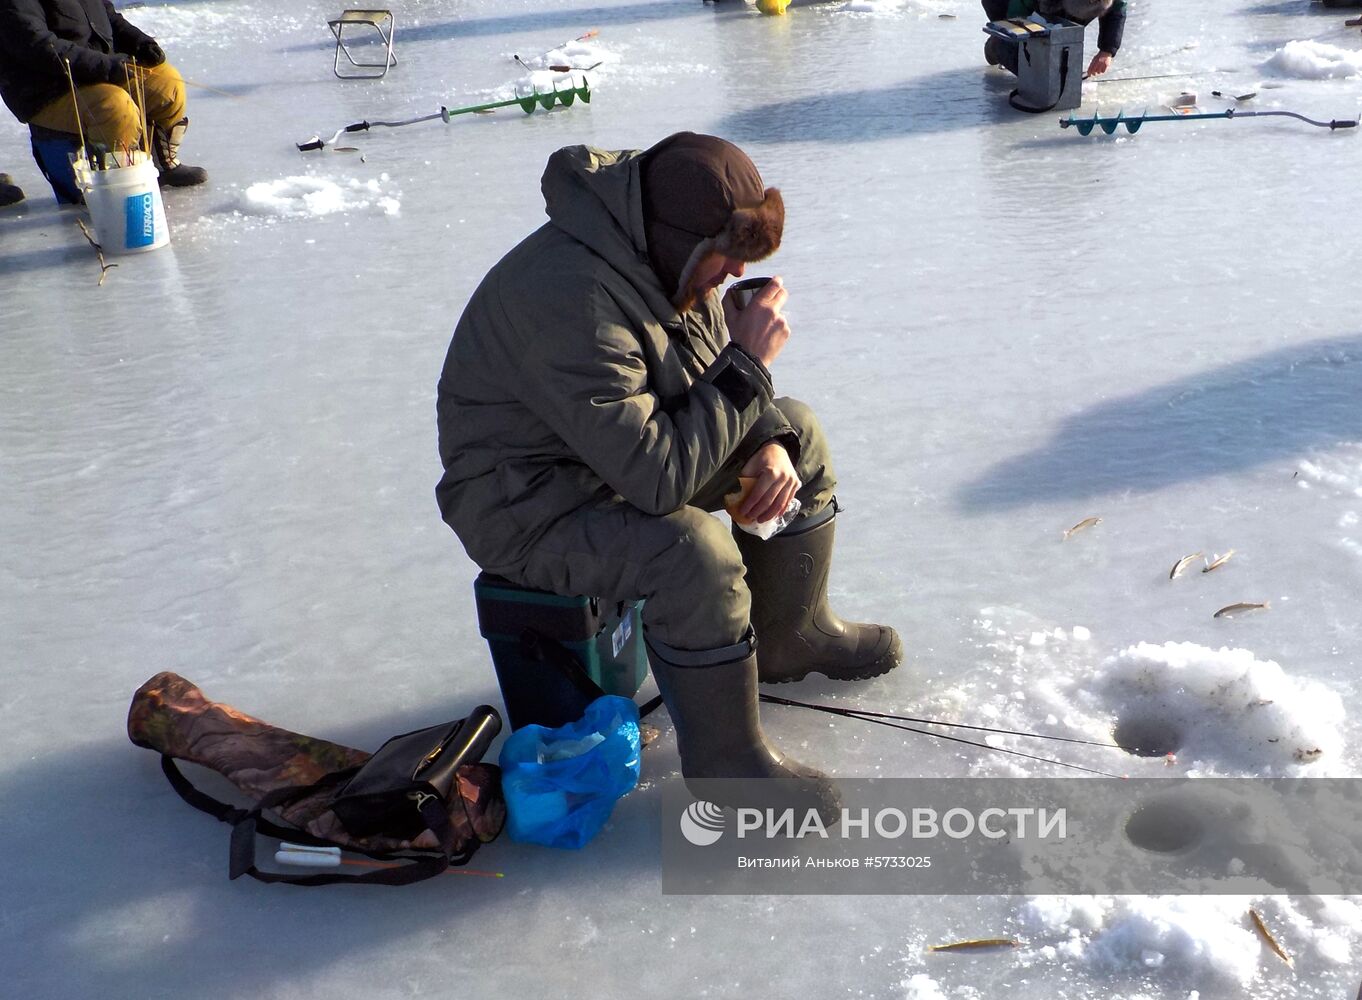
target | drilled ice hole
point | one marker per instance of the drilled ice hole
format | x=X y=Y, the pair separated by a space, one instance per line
x=1146 y=736
x=1164 y=827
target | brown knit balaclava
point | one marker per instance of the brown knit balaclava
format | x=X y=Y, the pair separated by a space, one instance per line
x=703 y=195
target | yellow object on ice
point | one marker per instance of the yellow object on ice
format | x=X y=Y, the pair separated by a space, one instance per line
x=772 y=6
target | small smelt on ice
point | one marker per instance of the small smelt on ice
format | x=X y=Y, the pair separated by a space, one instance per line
x=1181 y=565
x=1238 y=609
x=1217 y=562
x=975 y=943
x=1087 y=522
x=1271 y=941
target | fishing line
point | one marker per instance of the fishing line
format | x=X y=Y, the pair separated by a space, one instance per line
x=1157 y=76
x=837 y=709
x=957 y=739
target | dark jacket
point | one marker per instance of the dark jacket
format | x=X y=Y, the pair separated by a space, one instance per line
x=1111 y=26
x=573 y=380
x=38 y=36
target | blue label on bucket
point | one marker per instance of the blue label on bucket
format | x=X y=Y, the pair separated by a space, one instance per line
x=141 y=221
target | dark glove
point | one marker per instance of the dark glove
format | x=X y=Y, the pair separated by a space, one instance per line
x=148 y=53
x=119 y=69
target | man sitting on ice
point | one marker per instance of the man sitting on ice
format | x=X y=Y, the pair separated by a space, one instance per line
x=598 y=400
x=110 y=64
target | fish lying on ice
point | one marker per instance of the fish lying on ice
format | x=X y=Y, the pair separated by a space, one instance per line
x=1217 y=562
x=1267 y=936
x=1241 y=608
x=1181 y=565
x=1082 y=525
x=975 y=944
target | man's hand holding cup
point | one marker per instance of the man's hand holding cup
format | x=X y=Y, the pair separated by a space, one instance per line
x=752 y=310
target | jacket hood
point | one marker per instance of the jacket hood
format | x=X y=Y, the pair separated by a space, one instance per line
x=596 y=197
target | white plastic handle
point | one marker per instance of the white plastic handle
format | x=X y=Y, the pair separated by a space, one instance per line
x=308 y=859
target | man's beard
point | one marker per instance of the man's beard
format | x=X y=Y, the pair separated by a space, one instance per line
x=689 y=296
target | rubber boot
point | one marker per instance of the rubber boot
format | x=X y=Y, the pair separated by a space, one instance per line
x=999 y=53
x=799 y=634
x=712 y=699
x=10 y=193
x=165 y=149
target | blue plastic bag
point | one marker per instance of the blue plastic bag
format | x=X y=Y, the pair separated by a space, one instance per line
x=562 y=784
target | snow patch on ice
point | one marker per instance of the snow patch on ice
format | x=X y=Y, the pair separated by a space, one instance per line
x=580 y=58
x=921 y=987
x=1310 y=60
x=291 y=197
x=1204 y=938
x=1233 y=712
x=580 y=53
x=1208 y=940
x=1222 y=712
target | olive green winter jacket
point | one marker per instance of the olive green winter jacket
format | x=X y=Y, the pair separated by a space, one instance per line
x=571 y=379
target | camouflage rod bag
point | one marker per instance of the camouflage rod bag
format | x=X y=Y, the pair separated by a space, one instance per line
x=422 y=803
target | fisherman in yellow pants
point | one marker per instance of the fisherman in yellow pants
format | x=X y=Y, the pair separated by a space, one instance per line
x=110 y=118
x=49 y=46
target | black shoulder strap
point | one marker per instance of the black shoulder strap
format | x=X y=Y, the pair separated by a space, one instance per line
x=233 y=815
x=1063 y=85
x=407 y=867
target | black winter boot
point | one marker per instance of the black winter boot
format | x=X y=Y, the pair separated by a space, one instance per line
x=10 y=193
x=165 y=149
x=798 y=632
x=712 y=698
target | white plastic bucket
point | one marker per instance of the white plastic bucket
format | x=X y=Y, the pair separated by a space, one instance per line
x=125 y=206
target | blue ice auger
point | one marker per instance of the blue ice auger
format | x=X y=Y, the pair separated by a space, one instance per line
x=1132 y=124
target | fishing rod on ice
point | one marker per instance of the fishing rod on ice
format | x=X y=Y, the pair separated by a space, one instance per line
x=527 y=102
x=896 y=722
x=560 y=67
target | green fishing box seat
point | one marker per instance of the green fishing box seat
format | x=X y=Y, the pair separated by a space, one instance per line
x=549 y=649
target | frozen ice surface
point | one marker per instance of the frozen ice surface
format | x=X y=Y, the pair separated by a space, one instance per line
x=221 y=462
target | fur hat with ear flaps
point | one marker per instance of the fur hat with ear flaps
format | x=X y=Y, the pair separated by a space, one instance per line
x=703 y=195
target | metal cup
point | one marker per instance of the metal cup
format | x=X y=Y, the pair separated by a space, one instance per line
x=742 y=291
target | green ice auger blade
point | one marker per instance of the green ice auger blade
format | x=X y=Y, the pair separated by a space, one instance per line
x=477 y=107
